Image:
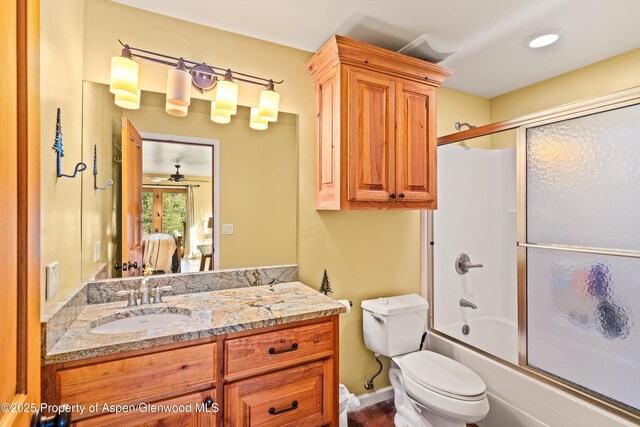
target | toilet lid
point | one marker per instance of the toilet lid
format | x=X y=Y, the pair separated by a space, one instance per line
x=441 y=374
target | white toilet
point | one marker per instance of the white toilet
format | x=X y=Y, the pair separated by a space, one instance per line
x=430 y=390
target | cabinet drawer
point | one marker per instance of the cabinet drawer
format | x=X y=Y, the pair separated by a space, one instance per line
x=293 y=397
x=185 y=411
x=139 y=379
x=273 y=350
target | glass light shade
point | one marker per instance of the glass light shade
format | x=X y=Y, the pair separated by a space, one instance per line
x=128 y=101
x=227 y=96
x=179 y=87
x=176 y=110
x=256 y=122
x=124 y=76
x=269 y=104
x=219 y=116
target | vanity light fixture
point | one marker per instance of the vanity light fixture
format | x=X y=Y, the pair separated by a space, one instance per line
x=256 y=122
x=176 y=110
x=179 y=85
x=544 y=38
x=124 y=82
x=269 y=103
x=124 y=74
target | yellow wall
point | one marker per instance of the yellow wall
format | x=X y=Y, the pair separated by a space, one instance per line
x=611 y=75
x=100 y=117
x=61 y=61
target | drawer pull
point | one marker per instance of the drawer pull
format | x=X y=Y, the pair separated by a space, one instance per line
x=294 y=347
x=294 y=406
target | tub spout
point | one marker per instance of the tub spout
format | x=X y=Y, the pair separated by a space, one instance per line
x=468 y=304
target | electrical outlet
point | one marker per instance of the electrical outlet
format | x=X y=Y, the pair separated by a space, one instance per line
x=53 y=279
x=97 y=254
x=227 y=228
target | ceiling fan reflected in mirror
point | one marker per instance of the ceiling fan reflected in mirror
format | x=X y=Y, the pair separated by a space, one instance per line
x=175 y=177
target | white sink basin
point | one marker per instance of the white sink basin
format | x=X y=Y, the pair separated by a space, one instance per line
x=139 y=323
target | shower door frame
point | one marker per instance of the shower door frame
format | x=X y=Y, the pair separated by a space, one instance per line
x=600 y=104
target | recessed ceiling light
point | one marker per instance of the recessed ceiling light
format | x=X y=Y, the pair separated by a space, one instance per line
x=544 y=38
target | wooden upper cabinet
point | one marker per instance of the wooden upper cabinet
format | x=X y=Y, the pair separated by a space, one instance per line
x=375 y=134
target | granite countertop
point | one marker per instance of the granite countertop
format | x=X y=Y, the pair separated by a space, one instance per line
x=209 y=313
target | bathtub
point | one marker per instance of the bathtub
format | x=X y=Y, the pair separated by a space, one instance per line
x=495 y=335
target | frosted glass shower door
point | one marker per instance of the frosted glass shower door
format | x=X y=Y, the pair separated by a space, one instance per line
x=583 y=252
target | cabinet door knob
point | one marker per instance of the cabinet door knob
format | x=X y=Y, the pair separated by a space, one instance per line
x=294 y=347
x=392 y=195
x=133 y=266
x=402 y=195
x=208 y=402
x=294 y=405
x=117 y=266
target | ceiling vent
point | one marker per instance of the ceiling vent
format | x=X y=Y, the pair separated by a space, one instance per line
x=430 y=48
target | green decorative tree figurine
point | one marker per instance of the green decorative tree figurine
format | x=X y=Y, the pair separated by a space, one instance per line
x=325 y=287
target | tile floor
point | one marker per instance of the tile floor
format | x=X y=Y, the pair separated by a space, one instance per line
x=379 y=415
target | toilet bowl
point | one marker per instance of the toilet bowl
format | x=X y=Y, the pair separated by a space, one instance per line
x=430 y=390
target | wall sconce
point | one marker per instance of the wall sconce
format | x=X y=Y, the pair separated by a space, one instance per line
x=124 y=74
x=227 y=94
x=256 y=122
x=109 y=182
x=269 y=103
x=179 y=85
x=124 y=83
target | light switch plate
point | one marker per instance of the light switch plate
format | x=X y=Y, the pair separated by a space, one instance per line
x=227 y=228
x=97 y=254
x=53 y=279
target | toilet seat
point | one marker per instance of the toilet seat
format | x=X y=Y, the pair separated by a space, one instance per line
x=442 y=375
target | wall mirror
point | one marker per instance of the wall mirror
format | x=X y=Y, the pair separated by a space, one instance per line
x=187 y=194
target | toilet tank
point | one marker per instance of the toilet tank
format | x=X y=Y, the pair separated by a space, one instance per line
x=393 y=326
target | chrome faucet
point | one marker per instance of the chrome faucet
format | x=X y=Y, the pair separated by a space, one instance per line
x=157 y=293
x=144 y=292
x=468 y=304
x=463 y=264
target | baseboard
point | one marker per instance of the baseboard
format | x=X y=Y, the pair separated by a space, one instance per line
x=375 y=397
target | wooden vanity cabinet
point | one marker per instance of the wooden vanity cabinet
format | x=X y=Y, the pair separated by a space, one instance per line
x=376 y=132
x=285 y=375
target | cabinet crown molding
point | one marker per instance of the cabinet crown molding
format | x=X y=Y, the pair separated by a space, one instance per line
x=343 y=50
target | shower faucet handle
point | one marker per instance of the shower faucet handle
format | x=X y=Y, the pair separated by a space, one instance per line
x=463 y=264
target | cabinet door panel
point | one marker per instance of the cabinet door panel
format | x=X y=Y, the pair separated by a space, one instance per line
x=416 y=144
x=371 y=136
x=328 y=141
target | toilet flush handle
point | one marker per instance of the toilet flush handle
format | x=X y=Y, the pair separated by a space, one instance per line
x=377 y=319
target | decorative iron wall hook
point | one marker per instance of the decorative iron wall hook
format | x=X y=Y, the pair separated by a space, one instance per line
x=109 y=182
x=57 y=146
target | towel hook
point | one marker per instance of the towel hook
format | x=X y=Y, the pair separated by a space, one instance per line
x=57 y=146
x=109 y=182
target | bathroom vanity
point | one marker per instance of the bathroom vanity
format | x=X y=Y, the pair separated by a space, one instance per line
x=251 y=355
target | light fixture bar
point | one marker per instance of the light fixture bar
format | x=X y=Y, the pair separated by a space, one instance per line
x=190 y=65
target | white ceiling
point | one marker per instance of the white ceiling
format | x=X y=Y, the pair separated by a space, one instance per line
x=160 y=158
x=494 y=59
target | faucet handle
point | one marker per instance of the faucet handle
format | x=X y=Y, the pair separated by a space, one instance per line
x=157 y=293
x=133 y=301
